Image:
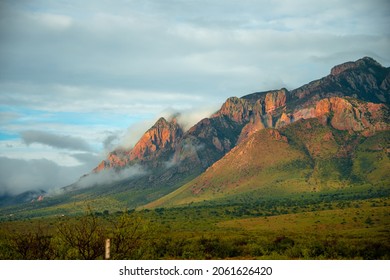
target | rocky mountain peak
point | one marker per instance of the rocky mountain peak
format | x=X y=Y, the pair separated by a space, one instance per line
x=164 y=123
x=336 y=70
x=161 y=137
x=236 y=109
x=364 y=79
x=365 y=62
x=275 y=99
x=163 y=134
x=242 y=110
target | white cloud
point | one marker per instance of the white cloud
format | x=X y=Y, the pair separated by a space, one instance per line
x=87 y=99
x=17 y=175
x=108 y=176
x=188 y=117
x=53 y=21
x=54 y=140
x=134 y=132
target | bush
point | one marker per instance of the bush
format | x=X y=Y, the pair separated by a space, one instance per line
x=36 y=245
x=129 y=237
x=86 y=237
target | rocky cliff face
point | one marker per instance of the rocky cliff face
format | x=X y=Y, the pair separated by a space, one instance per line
x=364 y=63
x=274 y=100
x=243 y=109
x=117 y=158
x=329 y=99
x=356 y=116
x=236 y=109
x=364 y=79
x=348 y=114
x=161 y=138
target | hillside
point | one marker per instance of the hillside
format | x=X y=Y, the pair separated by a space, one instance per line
x=306 y=156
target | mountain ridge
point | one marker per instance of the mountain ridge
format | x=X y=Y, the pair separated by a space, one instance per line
x=275 y=162
x=272 y=108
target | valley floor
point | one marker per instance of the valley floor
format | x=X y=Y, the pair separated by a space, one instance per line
x=356 y=228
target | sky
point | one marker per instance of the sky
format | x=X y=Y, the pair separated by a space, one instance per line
x=80 y=78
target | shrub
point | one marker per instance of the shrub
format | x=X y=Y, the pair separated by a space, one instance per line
x=86 y=236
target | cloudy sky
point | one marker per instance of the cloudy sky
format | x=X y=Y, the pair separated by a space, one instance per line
x=78 y=78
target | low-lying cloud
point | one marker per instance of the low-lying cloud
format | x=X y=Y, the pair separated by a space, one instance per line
x=18 y=175
x=107 y=176
x=134 y=133
x=55 y=141
x=190 y=117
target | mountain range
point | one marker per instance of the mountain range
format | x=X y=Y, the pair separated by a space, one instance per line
x=332 y=133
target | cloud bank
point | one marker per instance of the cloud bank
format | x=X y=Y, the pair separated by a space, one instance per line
x=108 y=176
x=56 y=141
x=18 y=175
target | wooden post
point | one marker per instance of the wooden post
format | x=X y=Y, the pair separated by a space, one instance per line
x=107 y=255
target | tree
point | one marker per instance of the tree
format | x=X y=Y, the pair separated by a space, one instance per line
x=128 y=234
x=86 y=236
x=32 y=245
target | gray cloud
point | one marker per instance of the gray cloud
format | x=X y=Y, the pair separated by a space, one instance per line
x=88 y=159
x=111 y=141
x=134 y=133
x=189 y=117
x=108 y=176
x=56 y=141
x=17 y=175
x=6 y=117
x=220 y=48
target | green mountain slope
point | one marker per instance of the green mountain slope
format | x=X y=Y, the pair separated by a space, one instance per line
x=306 y=156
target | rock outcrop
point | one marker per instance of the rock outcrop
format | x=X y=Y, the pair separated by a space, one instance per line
x=364 y=79
x=236 y=109
x=348 y=114
x=161 y=138
x=365 y=62
x=274 y=100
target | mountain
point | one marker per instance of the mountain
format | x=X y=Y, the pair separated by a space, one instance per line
x=353 y=98
x=25 y=197
x=308 y=139
x=364 y=79
x=158 y=142
x=306 y=156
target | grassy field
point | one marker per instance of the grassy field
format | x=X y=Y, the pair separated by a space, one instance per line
x=331 y=226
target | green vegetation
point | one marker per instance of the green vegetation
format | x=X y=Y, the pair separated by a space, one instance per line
x=350 y=224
